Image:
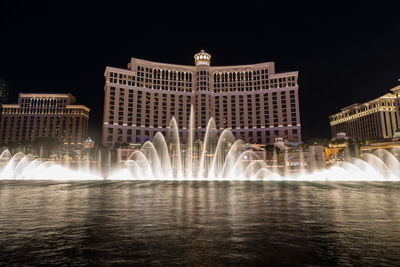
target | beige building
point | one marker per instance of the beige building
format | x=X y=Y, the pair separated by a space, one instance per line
x=44 y=115
x=375 y=118
x=253 y=101
x=396 y=93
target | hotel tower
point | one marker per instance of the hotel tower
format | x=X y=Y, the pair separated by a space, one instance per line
x=375 y=118
x=253 y=101
x=44 y=115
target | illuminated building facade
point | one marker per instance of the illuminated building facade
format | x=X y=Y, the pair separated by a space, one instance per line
x=44 y=115
x=253 y=101
x=375 y=118
x=396 y=93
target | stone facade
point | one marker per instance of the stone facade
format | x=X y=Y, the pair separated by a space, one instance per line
x=44 y=115
x=253 y=101
x=375 y=118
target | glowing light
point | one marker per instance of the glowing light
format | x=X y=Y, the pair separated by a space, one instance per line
x=230 y=160
x=215 y=158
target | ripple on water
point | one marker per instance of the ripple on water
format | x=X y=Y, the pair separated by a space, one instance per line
x=194 y=223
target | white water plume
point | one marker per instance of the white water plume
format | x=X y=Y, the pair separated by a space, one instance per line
x=218 y=157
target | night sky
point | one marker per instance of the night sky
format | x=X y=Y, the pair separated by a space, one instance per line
x=345 y=53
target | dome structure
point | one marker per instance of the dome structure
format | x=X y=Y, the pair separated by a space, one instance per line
x=202 y=58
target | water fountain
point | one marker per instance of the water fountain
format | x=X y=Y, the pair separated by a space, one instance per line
x=220 y=157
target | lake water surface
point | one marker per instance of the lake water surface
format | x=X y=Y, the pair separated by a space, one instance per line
x=199 y=223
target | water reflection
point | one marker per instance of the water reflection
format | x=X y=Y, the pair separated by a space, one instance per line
x=194 y=223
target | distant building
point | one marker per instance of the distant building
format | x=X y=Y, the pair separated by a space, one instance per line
x=253 y=101
x=396 y=93
x=123 y=153
x=340 y=136
x=375 y=118
x=391 y=144
x=294 y=156
x=88 y=143
x=4 y=88
x=44 y=115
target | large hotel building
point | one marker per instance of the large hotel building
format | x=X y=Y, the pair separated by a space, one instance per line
x=253 y=101
x=376 y=118
x=44 y=115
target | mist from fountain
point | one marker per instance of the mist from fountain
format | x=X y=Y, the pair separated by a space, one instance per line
x=220 y=157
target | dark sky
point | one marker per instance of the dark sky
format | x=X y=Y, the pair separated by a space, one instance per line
x=344 y=52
